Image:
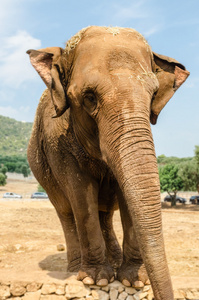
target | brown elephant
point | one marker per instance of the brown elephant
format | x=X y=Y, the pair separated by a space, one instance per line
x=91 y=149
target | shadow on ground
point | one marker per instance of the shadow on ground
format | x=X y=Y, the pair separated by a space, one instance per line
x=56 y=265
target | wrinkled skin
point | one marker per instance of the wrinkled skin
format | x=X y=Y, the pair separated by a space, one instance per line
x=97 y=152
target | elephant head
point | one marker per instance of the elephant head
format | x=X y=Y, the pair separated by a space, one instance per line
x=114 y=86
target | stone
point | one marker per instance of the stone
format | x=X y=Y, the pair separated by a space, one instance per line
x=190 y=295
x=195 y=293
x=48 y=288
x=105 y=288
x=60 y=289
x=76 y=289
x=95 y=294
x=116 y=284
x=71 y=279
x=102 y=295
x=179 y=294
x=17 y=289
x=130 y=290
x=32 y=295
x=4 y=292
x=96 y=287
x=113 y=294
x=60 y=247
x=150 y=295
x=130 y=297
x=140 y=295
x=33 y=286
x=146 y=288
x=17 y=247
x=5 y=283
x=120 y=289
x=123 y=296
x=52 y=297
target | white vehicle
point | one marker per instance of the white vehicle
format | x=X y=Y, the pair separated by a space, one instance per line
x=39 y=195
x=12 y=195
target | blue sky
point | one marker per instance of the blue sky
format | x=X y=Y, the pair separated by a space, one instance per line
x=170 y=27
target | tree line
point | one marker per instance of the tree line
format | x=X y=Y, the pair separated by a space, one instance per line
x=179 y=174
x=176 y=174
x=13 y=164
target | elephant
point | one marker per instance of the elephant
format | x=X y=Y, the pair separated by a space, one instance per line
x=92 y=150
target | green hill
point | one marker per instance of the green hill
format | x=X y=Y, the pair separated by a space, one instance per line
x=14 y=136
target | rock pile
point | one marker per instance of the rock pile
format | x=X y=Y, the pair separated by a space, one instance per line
x=76 y=290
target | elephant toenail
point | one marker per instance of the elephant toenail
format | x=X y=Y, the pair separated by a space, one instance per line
x=126 y=282
x=88 y=280
x=138 y=284
x=102 y=282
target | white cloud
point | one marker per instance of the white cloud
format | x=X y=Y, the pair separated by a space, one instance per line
x=15 y=67
x=11 y=112
x=11 y=12
x=150 y=31
x=133 y=11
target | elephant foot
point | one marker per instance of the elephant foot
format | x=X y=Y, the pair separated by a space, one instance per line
x=74 y=263
x=100 y=275
x=114 y=255
x=133 y=274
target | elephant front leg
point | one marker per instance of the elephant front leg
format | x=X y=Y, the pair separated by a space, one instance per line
x=132 y=271
x=66 y=217
x=72 y=241
x=63 y=208
x=113 y=249
x=95 y=268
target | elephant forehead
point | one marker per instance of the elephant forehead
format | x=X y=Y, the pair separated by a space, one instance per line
x=109 y=52
x=95 y=57
x=121 y=58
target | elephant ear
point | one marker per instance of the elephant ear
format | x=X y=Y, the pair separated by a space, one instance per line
x=48 y=63
x=171 y=75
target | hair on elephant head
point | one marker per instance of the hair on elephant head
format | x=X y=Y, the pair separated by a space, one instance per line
x=97 y=151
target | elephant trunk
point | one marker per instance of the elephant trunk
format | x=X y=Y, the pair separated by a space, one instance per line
x=127 y=147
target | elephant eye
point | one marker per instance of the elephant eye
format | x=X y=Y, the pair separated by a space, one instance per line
x=89 y=101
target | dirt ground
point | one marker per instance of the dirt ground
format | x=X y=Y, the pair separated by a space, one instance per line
x=30 y=232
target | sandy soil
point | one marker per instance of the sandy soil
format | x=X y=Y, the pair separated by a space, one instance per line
x=30 y=232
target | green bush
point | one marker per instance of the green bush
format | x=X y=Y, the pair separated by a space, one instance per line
x=40 y=189
x=2 y=179
x=15 y=163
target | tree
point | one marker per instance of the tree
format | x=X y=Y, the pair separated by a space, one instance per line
x=197 y=154
x=4 y=170
x=170 y=181
x=189 y=174
x=2 y=179
x=24 y=170
x=14 y=163
x=10 y=166
x=197 y=166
